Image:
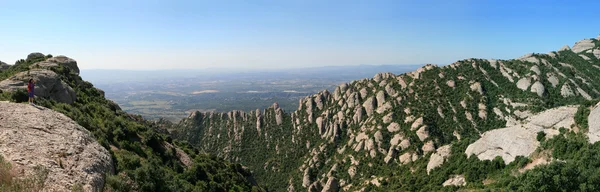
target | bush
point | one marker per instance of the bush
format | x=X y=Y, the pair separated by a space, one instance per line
x=19 y=96
x=541 y=136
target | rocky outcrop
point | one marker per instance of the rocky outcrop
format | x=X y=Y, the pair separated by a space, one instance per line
x=48 y=84
x=520 y=140
x=455 y=180
x=594 y=124
x=438 y=158
x=66 y=62
x=523 y=83
x=332 y=185
x=565 y=48
x=582 y=45
x=566 y=91
x=35 y=136
x=538 y=88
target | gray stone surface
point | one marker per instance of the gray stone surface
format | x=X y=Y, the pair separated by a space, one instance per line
x=438 y=158
x=520 y=140
x=455 y=180
x=523 y=83
x=538 y=88
x=48 y=84
x=35 y=136
x=552 y=79
x=582 y=45
x=594 y=124
x=566 y=91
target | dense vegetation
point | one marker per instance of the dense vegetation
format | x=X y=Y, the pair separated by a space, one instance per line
x=145 y=158
x=284 y=155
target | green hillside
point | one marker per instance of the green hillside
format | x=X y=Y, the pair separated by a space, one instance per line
x=383 y=133
x=145 y=157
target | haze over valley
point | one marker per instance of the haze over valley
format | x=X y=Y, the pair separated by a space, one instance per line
x=174 y=94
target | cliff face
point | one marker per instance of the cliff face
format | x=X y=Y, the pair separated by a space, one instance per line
x=39 y=137
x=366 y=131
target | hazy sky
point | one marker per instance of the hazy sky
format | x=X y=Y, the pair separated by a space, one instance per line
x=150 y=34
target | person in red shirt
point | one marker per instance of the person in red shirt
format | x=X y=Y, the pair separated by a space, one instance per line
x=30 y=90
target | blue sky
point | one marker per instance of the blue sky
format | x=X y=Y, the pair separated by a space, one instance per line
x=288 y=33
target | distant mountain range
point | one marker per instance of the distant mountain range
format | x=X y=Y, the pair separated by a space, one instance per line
x=102 y=76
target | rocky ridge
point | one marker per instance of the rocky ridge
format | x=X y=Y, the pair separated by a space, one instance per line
x=406 y=120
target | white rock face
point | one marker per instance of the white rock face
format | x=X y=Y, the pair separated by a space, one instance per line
x=423 y=133
x=594 y=124
x=552 y=79
x=416 y=124
x=33 y=136
x=596 y=53
x=388 y=118
x=584 y=94
x=520 y=139
x=582 y=45
x=566 y=91
x=477 y=88
x=439 y=157
x=369 y=106
x=455 y=180
x=393 y=127
x=529 y=58
x=523 y=83
x=535 y=69
x=428 y=147
x=538 y=88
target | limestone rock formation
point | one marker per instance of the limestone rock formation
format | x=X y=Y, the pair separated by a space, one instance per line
x=36 y=136
x=523 y=83
x=582 y=45
x=538 y=88
x=57 y=61
x=520 y=140
x=438 y=158
x=48 y=84
x=455 y=180
x=594 y=124
x=332 y=185
x=566 y=91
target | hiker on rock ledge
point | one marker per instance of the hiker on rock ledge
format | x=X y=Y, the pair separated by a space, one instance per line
x=30 y=89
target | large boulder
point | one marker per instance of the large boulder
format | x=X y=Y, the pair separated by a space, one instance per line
x=39 y=137
x=48 y=85
x=538 y=88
